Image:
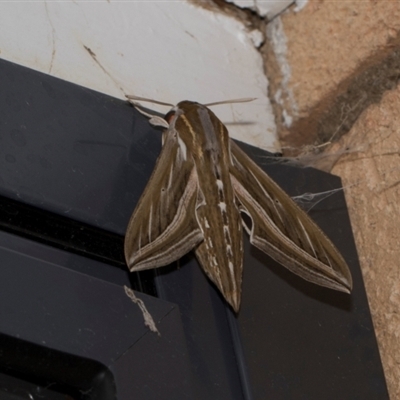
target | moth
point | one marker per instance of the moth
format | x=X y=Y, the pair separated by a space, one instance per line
x=200 y=188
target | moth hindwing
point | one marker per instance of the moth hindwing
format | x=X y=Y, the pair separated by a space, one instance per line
x=201 y=185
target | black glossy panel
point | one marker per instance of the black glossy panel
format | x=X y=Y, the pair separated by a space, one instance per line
x=88 y=157
x=71 y=150
x=62 y=324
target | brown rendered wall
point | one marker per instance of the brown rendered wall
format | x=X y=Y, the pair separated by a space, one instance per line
x=338 y=79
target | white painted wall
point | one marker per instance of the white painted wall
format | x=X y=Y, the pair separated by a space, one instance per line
x=164 y=50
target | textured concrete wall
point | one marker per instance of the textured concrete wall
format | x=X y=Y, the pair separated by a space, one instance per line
x=334 y=70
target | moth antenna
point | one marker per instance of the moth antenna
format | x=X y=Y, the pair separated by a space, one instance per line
x=132 y=97
x=162 y=103
x=242 y=100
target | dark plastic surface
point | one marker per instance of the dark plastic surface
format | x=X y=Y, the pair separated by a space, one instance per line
x=55 y=375
x=87 y=156
x=61 y=325
x=71 y=150
x=291 y=339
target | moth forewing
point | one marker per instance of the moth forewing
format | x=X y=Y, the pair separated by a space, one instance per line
x=284 y=231
x=163 y=226
x=200 y=185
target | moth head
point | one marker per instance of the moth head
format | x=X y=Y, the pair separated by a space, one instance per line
x=172 y=115
x=183 y=107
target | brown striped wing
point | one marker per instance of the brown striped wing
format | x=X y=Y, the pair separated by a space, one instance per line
x=282 y=230
x=163 y=226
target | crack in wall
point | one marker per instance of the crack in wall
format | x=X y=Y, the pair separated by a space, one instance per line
x=94 y=57
x=53 y=38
